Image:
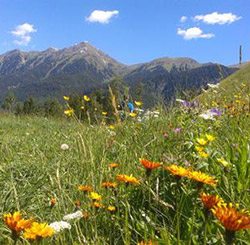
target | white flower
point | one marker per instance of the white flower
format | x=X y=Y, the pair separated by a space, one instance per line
x=179 y=100
x=64 y=147
x=213 y=85
x=207 y=116
x=59 y=226
x=76 y=215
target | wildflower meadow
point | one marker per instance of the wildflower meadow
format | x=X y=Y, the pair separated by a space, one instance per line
x=168 y=176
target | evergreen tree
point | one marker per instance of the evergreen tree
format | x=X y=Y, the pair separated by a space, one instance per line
x=9 y=102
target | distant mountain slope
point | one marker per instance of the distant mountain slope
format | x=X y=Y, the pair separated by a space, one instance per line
x=232 y=85
x=83 y=68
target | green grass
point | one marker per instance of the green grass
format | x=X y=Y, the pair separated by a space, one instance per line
x=233 y=85
x=34 y=169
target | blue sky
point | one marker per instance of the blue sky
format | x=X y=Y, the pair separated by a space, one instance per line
x=131 y=31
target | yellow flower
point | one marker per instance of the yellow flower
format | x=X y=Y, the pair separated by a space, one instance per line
x=222 y=161
x=108 y=184
x=132 y=114
x=69 y=112
x=178 y=170
x=210 y=137
x=38 y=231
x=230 y=218
x=86 y=98
x=85 y=188
x=199 y=148
x=95 y=196
x=112 y=127
x=16 y=223
x=138 y=103
x=202 y=177
x=82 y=107
x=104 y=113
x=127 y=178
x=201 y=141
x=203 y=154
x=111 y=209
x=66 y=98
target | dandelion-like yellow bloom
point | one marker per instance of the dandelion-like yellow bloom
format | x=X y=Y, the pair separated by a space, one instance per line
x=104 y=113
x=201 y=141
x=112 y=127
x=138 y=103
x=203 y=154
x=127 y=178
x=150 y=165
x=132 y=114
x=210 y=201
x=109 y=185
x=202 y=177
x=95 y=196
x=16 y=223
x=222 y=161
x=86 y=98
x=113 y=165
x=111 y=209
x=230 y=218
x=178 y=170
x=85 y=188
x=199 y=148
x=210 y=137
x=38 y=231
x=69 y=112
x=66 y=98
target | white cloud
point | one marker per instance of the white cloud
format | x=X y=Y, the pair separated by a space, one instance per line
x=101 y=16
x=183 y=19
x=193 y=33
x=216 y=18
x=22 y=32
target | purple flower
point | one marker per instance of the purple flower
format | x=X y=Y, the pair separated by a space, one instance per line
x=215 y=112
x=177 y=130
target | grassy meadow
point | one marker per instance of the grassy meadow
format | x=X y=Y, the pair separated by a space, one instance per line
x=46 y=180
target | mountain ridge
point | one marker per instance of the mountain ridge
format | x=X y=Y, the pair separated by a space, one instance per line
x=82 y=67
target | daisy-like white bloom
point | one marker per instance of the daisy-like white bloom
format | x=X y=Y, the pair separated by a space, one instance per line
x=64 y=146
x=213 y=85
x=60 y=225
x=76 y=215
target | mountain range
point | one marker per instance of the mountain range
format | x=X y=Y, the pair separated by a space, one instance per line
x=83 y=68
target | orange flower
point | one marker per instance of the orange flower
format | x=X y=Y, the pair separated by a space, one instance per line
x=85 y=188
x=113 y=165
x=85 y=215
x=77 y=204
x=38 y=231
x=127 y=178
x=52 y=202
x=230 y=218
x=210 y=201
x=111 y=185
x=150 y=165
x=98 y=205
x=16 y=223
x=202 y=177
x=178 y=170
x=146 y=243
